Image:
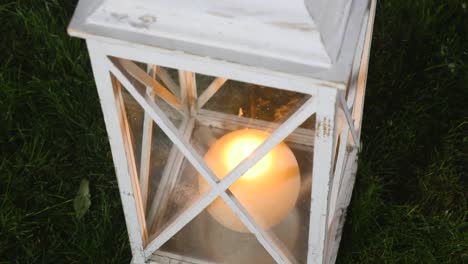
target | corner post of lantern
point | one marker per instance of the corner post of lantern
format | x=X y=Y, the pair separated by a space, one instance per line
x=110 y=97
x=324 y=140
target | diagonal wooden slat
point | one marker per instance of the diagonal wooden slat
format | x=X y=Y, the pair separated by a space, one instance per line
x=348 y=118
x=161 y=91
x=166 y=78
x=210 y=91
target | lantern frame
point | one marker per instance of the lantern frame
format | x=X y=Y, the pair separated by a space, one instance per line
x=337 y=104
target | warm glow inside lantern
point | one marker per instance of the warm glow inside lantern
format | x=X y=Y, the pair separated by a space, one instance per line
x=268 y=190
x=234 y=125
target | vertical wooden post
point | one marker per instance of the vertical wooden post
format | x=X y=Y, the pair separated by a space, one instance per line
x=325 y=130
x=188 y=86
x=146 y=144
x=109 y=103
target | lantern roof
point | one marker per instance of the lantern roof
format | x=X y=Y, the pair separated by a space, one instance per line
x=312 y=38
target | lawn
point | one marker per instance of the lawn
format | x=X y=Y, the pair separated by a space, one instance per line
x=409 y=204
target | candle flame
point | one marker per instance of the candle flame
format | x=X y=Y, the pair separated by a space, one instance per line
x=241 y=112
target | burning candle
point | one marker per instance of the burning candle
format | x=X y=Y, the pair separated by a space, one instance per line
x=268 y=190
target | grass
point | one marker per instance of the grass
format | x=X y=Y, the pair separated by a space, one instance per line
x=409 y=203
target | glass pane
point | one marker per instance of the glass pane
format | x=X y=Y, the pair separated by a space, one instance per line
x=173 y=184
x=135 y=115
x=204 y=239
x=256 y=101
x=203 y=81
x=293 y=228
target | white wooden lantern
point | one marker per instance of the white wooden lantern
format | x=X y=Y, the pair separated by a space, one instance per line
x=234 y=125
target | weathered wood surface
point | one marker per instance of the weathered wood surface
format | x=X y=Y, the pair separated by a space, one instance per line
x=316 y=35
x=325 y=131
